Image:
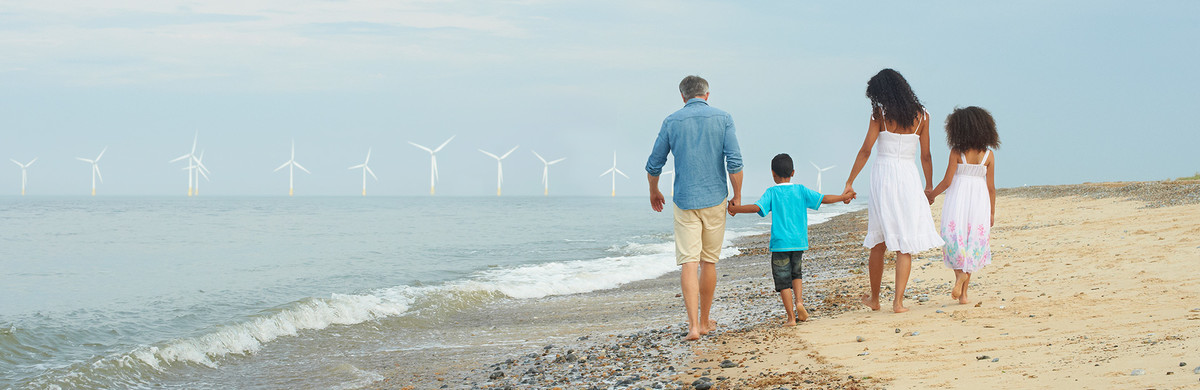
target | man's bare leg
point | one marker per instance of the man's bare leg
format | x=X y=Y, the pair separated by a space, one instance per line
x=708 y=286
x=903 y=268
x=875 y=268
x=690 y=285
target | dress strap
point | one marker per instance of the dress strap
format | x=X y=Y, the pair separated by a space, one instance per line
x=962 y=157
x=987 y=153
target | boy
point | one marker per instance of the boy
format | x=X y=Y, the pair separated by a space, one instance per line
x=789 y=230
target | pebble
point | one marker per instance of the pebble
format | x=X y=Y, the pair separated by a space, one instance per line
x=923 y=299
x=860 y=339
x=995 y=360
x=1138 y=372
x=939 y=312
x=1182 y=364
x=1196 y=371
x=983 y=357
x=914 y=333
x=865 y=353
x=898 y=329
x=728 y=364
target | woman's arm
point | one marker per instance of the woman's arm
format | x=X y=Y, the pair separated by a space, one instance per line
x=951 y=167
x=864 y=152
x=926 y=158
x=991 y=183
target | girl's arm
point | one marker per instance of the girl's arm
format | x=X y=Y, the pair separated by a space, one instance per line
x=991 y=183
x=926 y=158
x=864 y=152
x=951 y=167
x=739 y=209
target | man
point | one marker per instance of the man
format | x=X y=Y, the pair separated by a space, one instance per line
x=705 y=148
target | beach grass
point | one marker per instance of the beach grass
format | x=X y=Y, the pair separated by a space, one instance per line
x=1192 y=177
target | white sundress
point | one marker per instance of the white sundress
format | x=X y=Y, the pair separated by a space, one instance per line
x=898 y=212
x=967 y=218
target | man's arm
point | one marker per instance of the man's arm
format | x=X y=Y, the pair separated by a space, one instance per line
x=654 y=164
x=657 y=200
x=733 y=160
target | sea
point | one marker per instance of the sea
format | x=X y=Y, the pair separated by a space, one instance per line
x=304 y=292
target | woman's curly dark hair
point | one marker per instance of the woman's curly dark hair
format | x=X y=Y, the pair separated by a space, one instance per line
x=971 y=128
x=890 y=94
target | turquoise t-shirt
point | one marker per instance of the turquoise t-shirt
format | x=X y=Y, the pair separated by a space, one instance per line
x=787 y=204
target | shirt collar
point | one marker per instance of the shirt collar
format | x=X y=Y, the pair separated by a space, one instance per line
x=697 y=100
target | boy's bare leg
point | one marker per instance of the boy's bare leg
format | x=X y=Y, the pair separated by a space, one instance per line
x=958 y=286
x=875 y=268
x=786 y=297
x=962 y=299
x=798 y=288
x=690 y=284
x=708 y=285
x=903 y=268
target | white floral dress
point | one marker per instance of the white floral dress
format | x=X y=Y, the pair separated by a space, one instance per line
x=967 y=218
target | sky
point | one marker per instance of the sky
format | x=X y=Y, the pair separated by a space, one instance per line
x=1082 y=91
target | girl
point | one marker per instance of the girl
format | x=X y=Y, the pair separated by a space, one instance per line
x=970 y=207
x=898 y=215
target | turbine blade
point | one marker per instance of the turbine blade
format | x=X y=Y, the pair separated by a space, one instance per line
x=830 y=167
x=180 y=158
x=444 y=143
x=31 y=162
x=489 y=154
x=97 y=169
x=556 y=161
x=371 y=172
x=539 y=156
x=607 y=172
x=194 y=139
x=368 y=157
x=102 y=153
x=201 y=172
x=301 y=168
x=510 y=152
x=814 y=165
x=419 y=146
x=622 y=173
x=282 y=166
x=15 y=162
x=85 y=160
x=357 y=166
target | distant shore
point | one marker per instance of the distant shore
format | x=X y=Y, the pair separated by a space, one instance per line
x=1089 y=283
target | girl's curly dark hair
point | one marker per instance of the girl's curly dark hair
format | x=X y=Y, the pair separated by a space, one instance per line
x=891 y=95
x=971 y=128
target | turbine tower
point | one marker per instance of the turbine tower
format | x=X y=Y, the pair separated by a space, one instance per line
x=819 y=170
x=23 y=176
x=433 y=172
x=499 y=166
x=546 y=172
x=201 y=170
x=292 y=164
x=95 y=168
x=614 y=171
x=191 y=157
x=366 y=170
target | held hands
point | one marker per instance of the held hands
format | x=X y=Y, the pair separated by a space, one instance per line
x=729 y=208
x=848 y=195
x=736 y=201
x=930 y=195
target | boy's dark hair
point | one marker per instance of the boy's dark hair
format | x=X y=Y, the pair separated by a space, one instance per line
x=782 y=165
x=971 y=128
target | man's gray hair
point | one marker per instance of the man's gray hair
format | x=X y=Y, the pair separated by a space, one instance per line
x=693 y=86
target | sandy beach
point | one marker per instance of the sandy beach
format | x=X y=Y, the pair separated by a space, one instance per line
x=1091 y=286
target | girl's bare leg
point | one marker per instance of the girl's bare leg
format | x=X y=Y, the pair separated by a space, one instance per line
x=903 y=268
x=958 y=284
x=875 y=268
x=962 y=299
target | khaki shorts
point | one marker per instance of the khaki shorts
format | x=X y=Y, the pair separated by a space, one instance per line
x=699 y=234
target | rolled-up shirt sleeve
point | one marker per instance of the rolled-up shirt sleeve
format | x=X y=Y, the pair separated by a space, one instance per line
x=658 y=155
x=733 y=153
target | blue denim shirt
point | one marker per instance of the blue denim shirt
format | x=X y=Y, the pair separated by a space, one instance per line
x=705 y=147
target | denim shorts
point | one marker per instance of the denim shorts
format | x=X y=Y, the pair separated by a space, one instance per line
x=785 y=267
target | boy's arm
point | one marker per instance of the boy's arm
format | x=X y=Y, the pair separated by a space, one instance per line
x=844 y=198
x=741 y=209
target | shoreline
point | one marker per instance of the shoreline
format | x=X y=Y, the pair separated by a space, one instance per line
x=645 y=349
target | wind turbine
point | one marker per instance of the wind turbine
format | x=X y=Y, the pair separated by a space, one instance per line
x=201 y=170
x=614 y=172
x=672 y=173
x=191 y=157
x=95 y=168
x=433 y=172
x=546 y=172
x=366 y=170
x=292 y=164
x=23 y=177
x=819 y=170
x=499 y=166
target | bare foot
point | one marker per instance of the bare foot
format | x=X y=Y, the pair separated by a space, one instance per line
x=712 y=325
x=692 y=336
x=958 y=288
x=801 y=314
x=899 y=307
x=790 y=322
x=962 y=300
x=869 y=302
